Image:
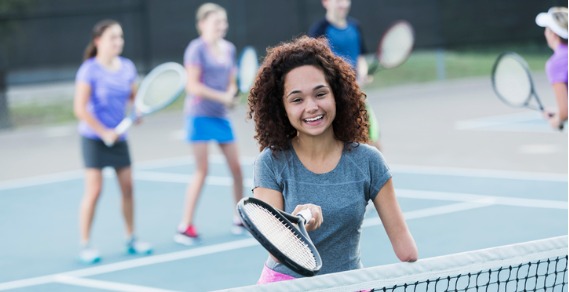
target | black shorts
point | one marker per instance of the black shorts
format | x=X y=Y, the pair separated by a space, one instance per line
x=97 y=155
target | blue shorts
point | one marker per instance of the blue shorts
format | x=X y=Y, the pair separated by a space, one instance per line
x=204 y=129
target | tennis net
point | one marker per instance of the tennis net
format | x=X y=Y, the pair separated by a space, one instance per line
x=539 y=265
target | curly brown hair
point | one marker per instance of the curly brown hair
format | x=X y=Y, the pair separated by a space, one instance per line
x=266 y=104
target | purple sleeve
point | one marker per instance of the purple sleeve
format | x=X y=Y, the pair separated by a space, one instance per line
x=192 y=55
x=132 y=71
x=234 y=59
x=84 y=73
x=556 y=71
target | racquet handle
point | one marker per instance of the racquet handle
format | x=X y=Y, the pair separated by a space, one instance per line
x=120 y=129
x=306 y=215
x=109 y=143
x=551 y=115
x=123 y=126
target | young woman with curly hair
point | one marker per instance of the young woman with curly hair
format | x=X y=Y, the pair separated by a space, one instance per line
x=311 y=125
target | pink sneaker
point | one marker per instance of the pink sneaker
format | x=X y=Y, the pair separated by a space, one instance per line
x=187 y=237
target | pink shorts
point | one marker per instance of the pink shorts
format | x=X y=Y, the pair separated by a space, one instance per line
x=268 y=276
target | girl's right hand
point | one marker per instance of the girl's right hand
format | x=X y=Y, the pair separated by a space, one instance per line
x=110 y=136
x=227 y=99
x=317 y=217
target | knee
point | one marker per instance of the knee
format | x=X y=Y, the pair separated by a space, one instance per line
x=92 y=195
x=202 y=171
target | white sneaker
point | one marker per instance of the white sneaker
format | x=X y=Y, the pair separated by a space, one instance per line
x=138 y=247
x=89 y=255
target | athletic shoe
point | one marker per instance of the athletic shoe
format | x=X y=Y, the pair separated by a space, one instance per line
x=134 y=246
x=89 y=255
x=187 y=236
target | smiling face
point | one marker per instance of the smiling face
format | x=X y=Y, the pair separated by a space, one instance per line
x=309 y=101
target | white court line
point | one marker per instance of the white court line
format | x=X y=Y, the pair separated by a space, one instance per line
x=185 y=178
x=248 y=161
x=481 y=173
x=406 y=193
x=498 y=200
x=498 y=120
x=106 y=285
x=433 y=211
x=507 y=123
x=217 y=248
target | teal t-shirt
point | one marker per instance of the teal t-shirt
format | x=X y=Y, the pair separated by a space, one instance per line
x=342 y=193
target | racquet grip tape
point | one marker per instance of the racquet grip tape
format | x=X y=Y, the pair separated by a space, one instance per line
x=306 y=214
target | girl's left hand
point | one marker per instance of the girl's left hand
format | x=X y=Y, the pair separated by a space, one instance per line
x=317 y=218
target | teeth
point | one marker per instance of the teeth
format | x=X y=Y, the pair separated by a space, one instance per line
x=314 y=119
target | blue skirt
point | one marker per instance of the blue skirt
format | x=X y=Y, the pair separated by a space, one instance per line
x=204 y=129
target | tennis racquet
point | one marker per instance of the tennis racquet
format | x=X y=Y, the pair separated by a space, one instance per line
x=162 y=86
x=513 y=84
x=394 y=47
x=277 y=233
x=247 y=68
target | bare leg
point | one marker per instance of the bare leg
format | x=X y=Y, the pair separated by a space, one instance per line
x=93 y=186
x=196 y=183
x=124 y=176
x=232 y=156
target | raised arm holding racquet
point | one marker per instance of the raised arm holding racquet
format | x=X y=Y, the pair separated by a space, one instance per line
x=513 y=84
x=282 y=235
x=394 y=47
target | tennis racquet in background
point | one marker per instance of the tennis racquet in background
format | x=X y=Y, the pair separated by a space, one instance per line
x=247 y=68
x=282 y=235
x=513 y=84
x=394 y=47
x=162 y=86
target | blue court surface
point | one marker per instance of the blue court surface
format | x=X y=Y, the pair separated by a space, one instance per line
x=527 y=121
x=449 y=210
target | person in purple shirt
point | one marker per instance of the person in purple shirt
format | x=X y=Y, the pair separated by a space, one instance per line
x=555 y=23
x=211 y=89
x=104 y=86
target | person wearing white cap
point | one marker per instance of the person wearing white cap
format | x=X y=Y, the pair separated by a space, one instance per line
x=555 y=23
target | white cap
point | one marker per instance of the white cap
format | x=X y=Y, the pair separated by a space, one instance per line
x=546 y=19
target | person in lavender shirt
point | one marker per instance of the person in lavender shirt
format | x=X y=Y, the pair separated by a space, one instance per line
x=555 y=23
x=104 y=86
x=211 y=88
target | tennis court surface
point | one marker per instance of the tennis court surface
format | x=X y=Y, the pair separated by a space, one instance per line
x=461 y=189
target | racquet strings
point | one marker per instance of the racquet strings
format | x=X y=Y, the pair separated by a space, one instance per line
x=281 y=236
x=396 y=45
x=161 y=89
x=511 y=81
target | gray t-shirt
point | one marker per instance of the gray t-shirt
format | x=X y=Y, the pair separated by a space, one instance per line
x=342 y=193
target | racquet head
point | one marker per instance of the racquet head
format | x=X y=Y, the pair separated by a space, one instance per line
x=511 y=80
x=160 y=87
x=395 y=46
x=276 y=232
x=247 y=66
